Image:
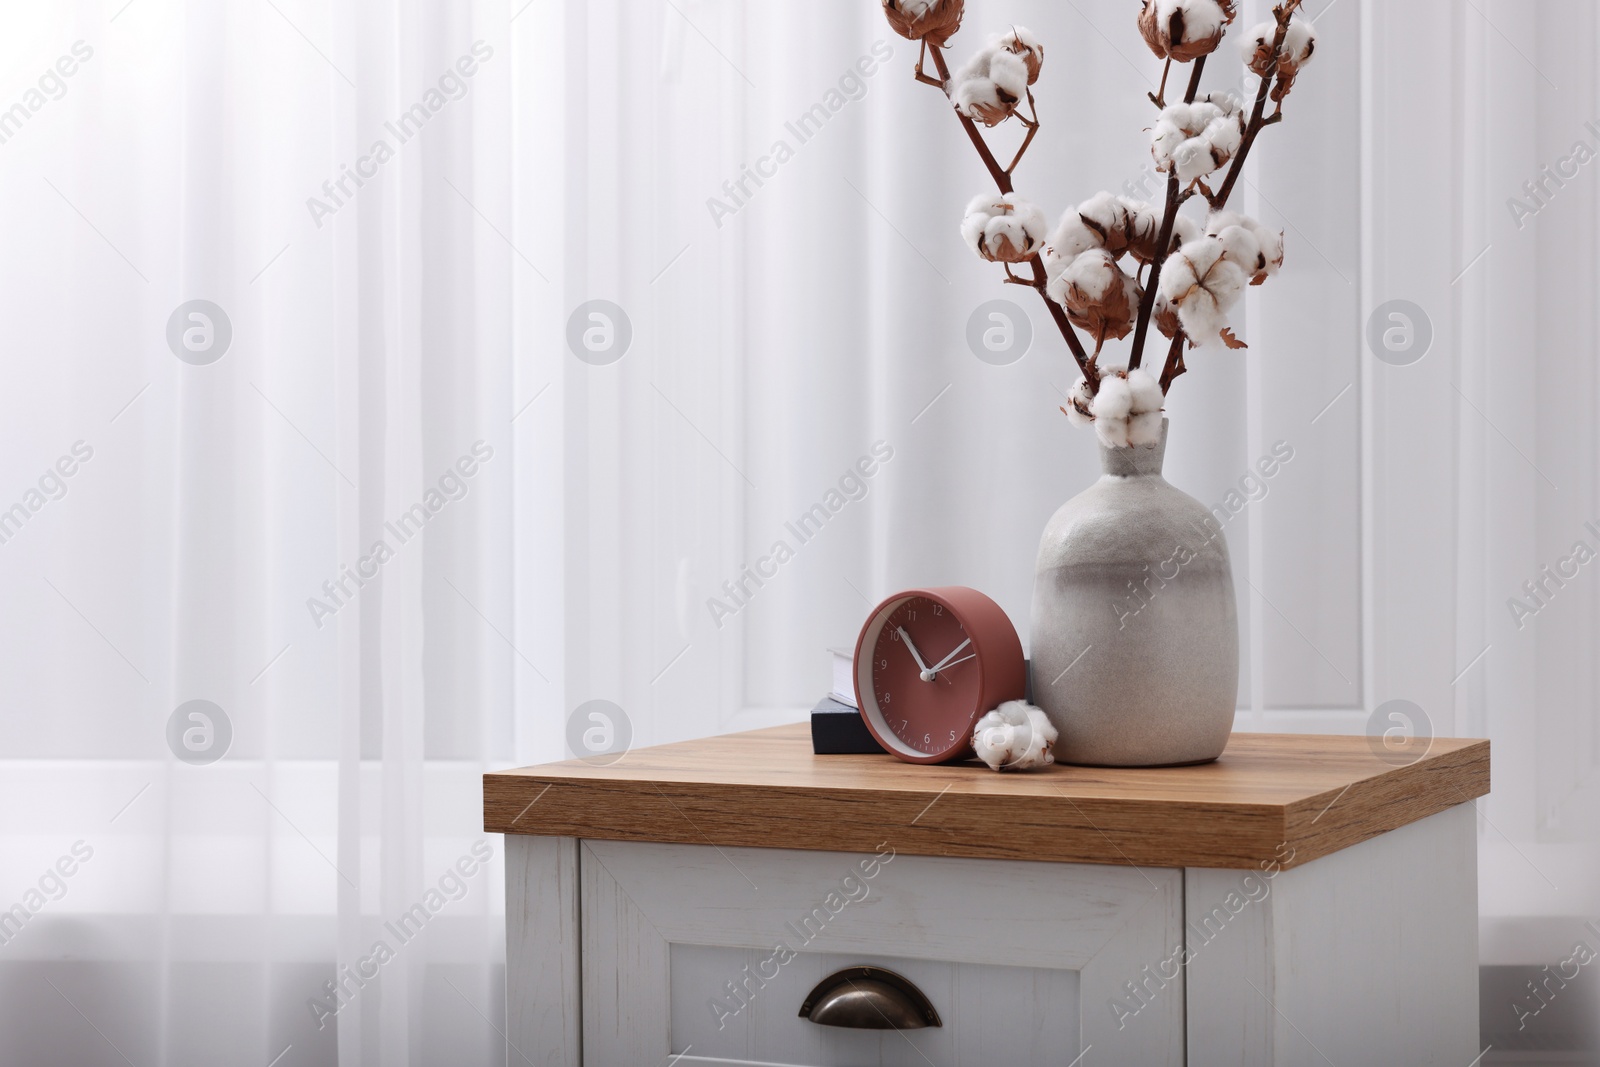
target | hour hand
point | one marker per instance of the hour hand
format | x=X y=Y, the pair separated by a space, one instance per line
x=927 y=675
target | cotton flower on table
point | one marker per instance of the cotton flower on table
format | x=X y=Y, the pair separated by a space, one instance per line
x=1299 y=44
x=1097 y=294
x=1004 y=229
x=1192 y=140
x=1202 y=283
x=1254 y=247
x=991 y=85
x=1127 y=409
x=1182 y=30
x=933 y=21
x=1016 y=736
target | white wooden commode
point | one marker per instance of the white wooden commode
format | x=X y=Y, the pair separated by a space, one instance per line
x=1300 y=901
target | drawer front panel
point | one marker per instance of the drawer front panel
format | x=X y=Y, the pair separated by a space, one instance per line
x=1027 y=963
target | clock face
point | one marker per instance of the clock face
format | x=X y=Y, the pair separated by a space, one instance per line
x=925 y=676
x=929 y=663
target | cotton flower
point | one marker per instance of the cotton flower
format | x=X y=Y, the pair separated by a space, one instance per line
x=1021 y=42
x=1299 y=44
x=934 y=21
x=1202 y=284
x=1107 y=216
x=1079 y=408
x=1127 y=409
x=1004 y=229
x=1254 y=247
x=1097 y=294
x=1071 y=238
x=1192 y=140
x=1184 y=29
x=990 y=86
x=1016 y=736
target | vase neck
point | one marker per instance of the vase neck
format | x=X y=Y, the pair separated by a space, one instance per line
x=1136 y=460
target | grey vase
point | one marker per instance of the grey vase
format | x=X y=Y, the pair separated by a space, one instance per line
x=1135 y=650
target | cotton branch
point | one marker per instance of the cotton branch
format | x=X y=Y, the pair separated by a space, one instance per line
x=1002 y=179
x=1257 y=122
x=1164 y=240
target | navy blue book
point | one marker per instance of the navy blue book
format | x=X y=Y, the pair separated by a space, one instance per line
x=837 y=730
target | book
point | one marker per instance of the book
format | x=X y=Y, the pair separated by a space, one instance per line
x=844 y=676
x=837 y=730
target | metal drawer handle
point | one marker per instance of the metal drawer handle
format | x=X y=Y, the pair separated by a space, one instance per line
x=869 y=998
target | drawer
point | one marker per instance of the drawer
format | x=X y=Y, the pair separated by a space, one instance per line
x=703 y=955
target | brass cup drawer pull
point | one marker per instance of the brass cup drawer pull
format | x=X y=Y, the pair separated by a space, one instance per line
x=869 y=998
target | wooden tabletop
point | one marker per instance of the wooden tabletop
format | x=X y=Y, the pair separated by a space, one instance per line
x=1311 y=794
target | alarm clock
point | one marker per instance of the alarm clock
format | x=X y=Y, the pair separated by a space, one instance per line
x=928 y=664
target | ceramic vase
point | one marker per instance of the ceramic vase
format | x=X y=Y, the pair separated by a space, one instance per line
x=1135 y=637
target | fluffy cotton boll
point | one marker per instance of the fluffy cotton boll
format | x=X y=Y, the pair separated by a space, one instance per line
x=1202 y=284
x=1079 y=407
x=934 y=21
x=988 y=88
x=1021 y=42
x=1144 y=392
x=1010 y=72
x=1107 y=216
x=1016 y=736
x=1070 y=239
x=1097 y=294
x=1240 y=246
x=1192 y=140
x=1115 y=398
x=1003 y=229
x=1256 y=48
x=1299 y=44
x=1182 y=30
x=1260 y=255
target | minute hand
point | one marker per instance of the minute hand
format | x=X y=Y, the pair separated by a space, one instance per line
x=940 y=665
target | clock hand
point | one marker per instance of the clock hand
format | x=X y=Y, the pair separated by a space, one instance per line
x=940 y=665
x=963 y=659
x=926 y=675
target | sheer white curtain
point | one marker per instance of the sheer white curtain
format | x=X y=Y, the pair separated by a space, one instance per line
x=782 y=321
x=309 y=528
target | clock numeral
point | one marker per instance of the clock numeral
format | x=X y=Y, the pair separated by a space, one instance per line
x=883 y=663
x=927 y=739
x=894 y=635
x=912 y=616
x=952 y=735
x=938 y=609
x=886 y=697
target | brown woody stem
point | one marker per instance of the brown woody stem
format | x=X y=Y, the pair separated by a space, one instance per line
x=1169 y=219
x=1257 y=122
x=1174 y=365
x=1002 y=180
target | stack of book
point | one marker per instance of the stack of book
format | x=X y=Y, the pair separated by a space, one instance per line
x=836 y=725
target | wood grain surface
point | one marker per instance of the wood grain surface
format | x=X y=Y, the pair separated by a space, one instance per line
x=1269 y=797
